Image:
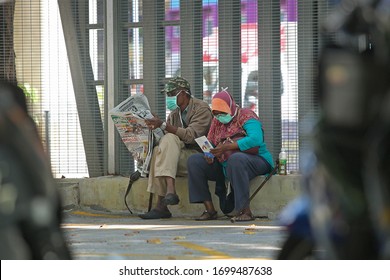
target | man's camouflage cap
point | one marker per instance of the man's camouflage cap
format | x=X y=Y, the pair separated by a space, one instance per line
x=176 y=83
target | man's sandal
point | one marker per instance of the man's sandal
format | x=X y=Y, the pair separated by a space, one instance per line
x=155 y=214
x=207 y=216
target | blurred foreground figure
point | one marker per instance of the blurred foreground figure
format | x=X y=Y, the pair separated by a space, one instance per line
x=345 y=210
x=30 y=211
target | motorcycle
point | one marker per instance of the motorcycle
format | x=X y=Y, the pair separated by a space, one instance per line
x=344 y=212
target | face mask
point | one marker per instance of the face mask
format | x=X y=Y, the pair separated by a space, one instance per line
x=224 y=118
x=171 y=102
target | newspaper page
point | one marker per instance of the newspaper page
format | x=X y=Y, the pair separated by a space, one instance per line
x=205 y=145
x=129 y=119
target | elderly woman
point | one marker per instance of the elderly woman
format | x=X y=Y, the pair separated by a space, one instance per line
x=234 y=161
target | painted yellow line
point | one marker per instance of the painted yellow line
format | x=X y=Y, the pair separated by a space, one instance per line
x=82 y=213
x=204 y=250
x=108 y=256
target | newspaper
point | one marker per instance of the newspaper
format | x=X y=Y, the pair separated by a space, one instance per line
x=129 y=119
x=205 y=145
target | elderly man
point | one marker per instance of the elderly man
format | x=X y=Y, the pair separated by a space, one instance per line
x=189 y=118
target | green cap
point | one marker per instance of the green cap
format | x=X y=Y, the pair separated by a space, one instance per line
x=176 y=83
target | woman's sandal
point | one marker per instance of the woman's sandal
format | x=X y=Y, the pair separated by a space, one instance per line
x=243 y=217
x=207 y=216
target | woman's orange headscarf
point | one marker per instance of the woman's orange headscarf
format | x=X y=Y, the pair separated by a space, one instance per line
x=223 y=102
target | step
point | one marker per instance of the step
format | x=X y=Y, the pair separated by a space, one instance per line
x=107 y=194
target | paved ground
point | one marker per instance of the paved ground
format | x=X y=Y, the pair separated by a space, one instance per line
x=100 y=236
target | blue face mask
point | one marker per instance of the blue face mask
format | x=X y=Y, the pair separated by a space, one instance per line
x=171 y=102
x=224 y=118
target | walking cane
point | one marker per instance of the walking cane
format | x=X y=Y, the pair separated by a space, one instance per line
x=133 y=177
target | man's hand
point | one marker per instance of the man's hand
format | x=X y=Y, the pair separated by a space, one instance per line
x=154 y=123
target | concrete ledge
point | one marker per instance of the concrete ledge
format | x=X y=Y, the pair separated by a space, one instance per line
x=69 y=192
x=107 y=194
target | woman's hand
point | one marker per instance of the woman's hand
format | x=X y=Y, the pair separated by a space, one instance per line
x=221 y=148
x=209 y=160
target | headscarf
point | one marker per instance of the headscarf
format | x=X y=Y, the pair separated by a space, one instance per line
x=223 y=101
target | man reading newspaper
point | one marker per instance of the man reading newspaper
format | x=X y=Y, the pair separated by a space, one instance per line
x=189 y=119
x=129 y=119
